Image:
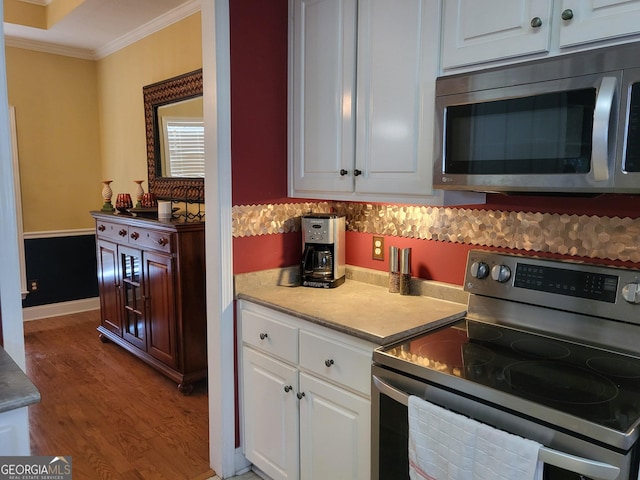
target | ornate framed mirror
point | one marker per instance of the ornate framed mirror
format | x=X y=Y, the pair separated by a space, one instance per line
x=173 y=117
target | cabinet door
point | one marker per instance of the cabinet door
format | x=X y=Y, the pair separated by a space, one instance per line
x=397 y=67
x=108 y=285
x=334 y=432
x=270 y=414
x=133 y=321
x=476 y=32
x=598 y=20
x=159 y=293
x=323 y=47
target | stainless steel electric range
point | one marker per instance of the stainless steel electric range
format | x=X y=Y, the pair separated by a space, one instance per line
x=549 y=350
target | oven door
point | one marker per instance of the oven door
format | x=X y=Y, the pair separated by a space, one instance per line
x=565 y=457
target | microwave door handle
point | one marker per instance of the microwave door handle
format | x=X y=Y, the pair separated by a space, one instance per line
x=391 y=392
x=585 y=467
x=600 y=135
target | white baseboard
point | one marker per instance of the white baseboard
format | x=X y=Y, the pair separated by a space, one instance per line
x=241 y=463
x=62 y=308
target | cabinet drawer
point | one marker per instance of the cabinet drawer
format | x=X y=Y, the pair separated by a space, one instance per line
x=336 y=361
x=161 y=241
x=269 y=335
x=113 y=231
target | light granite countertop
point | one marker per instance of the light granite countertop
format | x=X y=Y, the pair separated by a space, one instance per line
x=16 y=390
x=362 y=306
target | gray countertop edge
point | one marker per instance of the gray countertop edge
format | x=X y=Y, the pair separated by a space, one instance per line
x=256 y=287
x=310 y=318
x=354 y=332
x=16 y=390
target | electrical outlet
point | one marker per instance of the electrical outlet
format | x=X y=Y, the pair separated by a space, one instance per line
x=378 y=248
x=33 y=286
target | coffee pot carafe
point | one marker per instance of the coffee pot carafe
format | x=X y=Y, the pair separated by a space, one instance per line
x=323 y=257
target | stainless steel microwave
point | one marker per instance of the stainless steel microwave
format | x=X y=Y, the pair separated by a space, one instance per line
x=568 y=124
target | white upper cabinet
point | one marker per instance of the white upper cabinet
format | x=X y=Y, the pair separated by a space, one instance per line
x=594 y=20
x=361 y=104
x=322 y=95
x=397 y=67
x=475 y=32
x=501 y=30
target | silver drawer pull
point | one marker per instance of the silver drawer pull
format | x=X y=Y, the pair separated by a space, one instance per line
x=329 y=362
x=263 y=336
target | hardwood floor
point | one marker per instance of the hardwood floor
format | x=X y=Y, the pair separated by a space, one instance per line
x=118 y=418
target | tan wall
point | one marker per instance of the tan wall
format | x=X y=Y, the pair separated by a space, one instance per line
x=23 y=13
x=57 y=118
x=38 y=16
x=80 y=122
x=175 y=50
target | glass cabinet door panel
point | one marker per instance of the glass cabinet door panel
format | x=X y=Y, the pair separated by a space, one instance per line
x=134 y=330
x=131 y=267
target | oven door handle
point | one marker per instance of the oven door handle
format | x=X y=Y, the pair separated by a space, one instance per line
x=583 y=466
x=391 y=392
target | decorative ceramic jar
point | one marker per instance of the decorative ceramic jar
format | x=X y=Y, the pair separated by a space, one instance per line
x=139 y=192
x=107 y=193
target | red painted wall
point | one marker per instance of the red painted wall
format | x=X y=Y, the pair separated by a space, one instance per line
x=258 y=39
x=433 y=260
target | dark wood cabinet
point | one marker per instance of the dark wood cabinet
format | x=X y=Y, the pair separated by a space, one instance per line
x=108 y=286
x=152 y=292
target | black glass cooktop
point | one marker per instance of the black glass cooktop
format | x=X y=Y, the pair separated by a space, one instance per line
x=596 y=385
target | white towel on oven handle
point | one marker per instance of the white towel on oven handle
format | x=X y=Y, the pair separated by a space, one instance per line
x=444 y=445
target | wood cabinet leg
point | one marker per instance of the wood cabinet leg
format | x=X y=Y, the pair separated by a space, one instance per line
x=185 y=389
x=103 y=338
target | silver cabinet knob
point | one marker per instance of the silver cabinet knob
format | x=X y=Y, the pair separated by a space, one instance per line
x=343 y=172
x=536 y=22
x=263 y=336
x=357 y=172
x=288 y=388
x=328 y=363
x=300 y=395
x=567 y=14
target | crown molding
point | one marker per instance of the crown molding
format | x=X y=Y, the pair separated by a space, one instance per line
x=42 y=3
x=46 y=47
x=155 y=25
x=145 y=30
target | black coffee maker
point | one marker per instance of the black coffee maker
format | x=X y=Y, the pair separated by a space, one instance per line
x=323 y=256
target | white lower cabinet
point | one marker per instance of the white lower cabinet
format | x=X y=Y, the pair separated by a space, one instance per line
x=270 y=414
x=305 y=397
x=334 y=432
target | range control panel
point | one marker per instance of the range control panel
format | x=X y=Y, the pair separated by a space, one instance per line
x=572 y=286
x=574 y=283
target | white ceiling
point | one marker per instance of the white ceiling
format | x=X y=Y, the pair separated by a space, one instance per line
x=97 y=28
